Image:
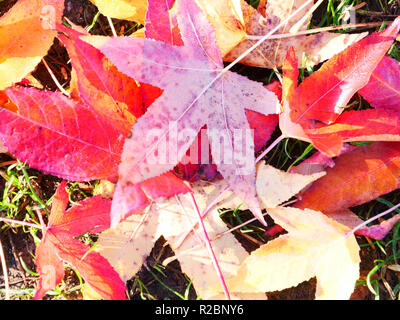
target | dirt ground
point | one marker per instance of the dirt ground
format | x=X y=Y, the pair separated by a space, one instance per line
x=19 y=245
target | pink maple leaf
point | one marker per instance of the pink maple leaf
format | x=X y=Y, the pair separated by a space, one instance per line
x=197 y=92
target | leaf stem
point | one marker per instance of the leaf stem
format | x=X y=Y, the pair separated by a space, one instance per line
x=40 y=216
x=227 y=188
x=270 y=147
x=374 y=218
x=316 y=30
x=23 y=223
x=210 y=249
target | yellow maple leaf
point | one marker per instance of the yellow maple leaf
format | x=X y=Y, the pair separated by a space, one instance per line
x=133 y=10
x=227 y=19
x=315 y=246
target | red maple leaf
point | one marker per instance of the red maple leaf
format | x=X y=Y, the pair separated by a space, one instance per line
x=59 y=244
x=50 y=131
x=313 y=111
x=383 y=88
x=113 y=95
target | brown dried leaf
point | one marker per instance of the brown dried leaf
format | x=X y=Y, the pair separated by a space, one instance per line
x=271 y=53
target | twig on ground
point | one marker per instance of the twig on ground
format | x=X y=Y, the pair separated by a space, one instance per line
x=112 y=27
x=23 y=223
x=59 y=86
x=5 y=271
x=318 y=30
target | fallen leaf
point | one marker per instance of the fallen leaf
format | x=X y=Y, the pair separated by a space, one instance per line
x=131 y=241
x=50 y=132
x=227 y=19
x=323 y=95
x=188 y=69
x=58 y=244
x=112 y=94
x=312 y=111
x=161 y=24
x=276 y=186
x=315 y=246
x=21 y=51
x=134 y=10
x=193 y=255
x=271 y=53
x=383 y=88
x=358 y=176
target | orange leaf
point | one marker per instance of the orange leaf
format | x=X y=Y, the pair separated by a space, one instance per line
x=358 y=176
x=365 y=125
x=26 y=34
